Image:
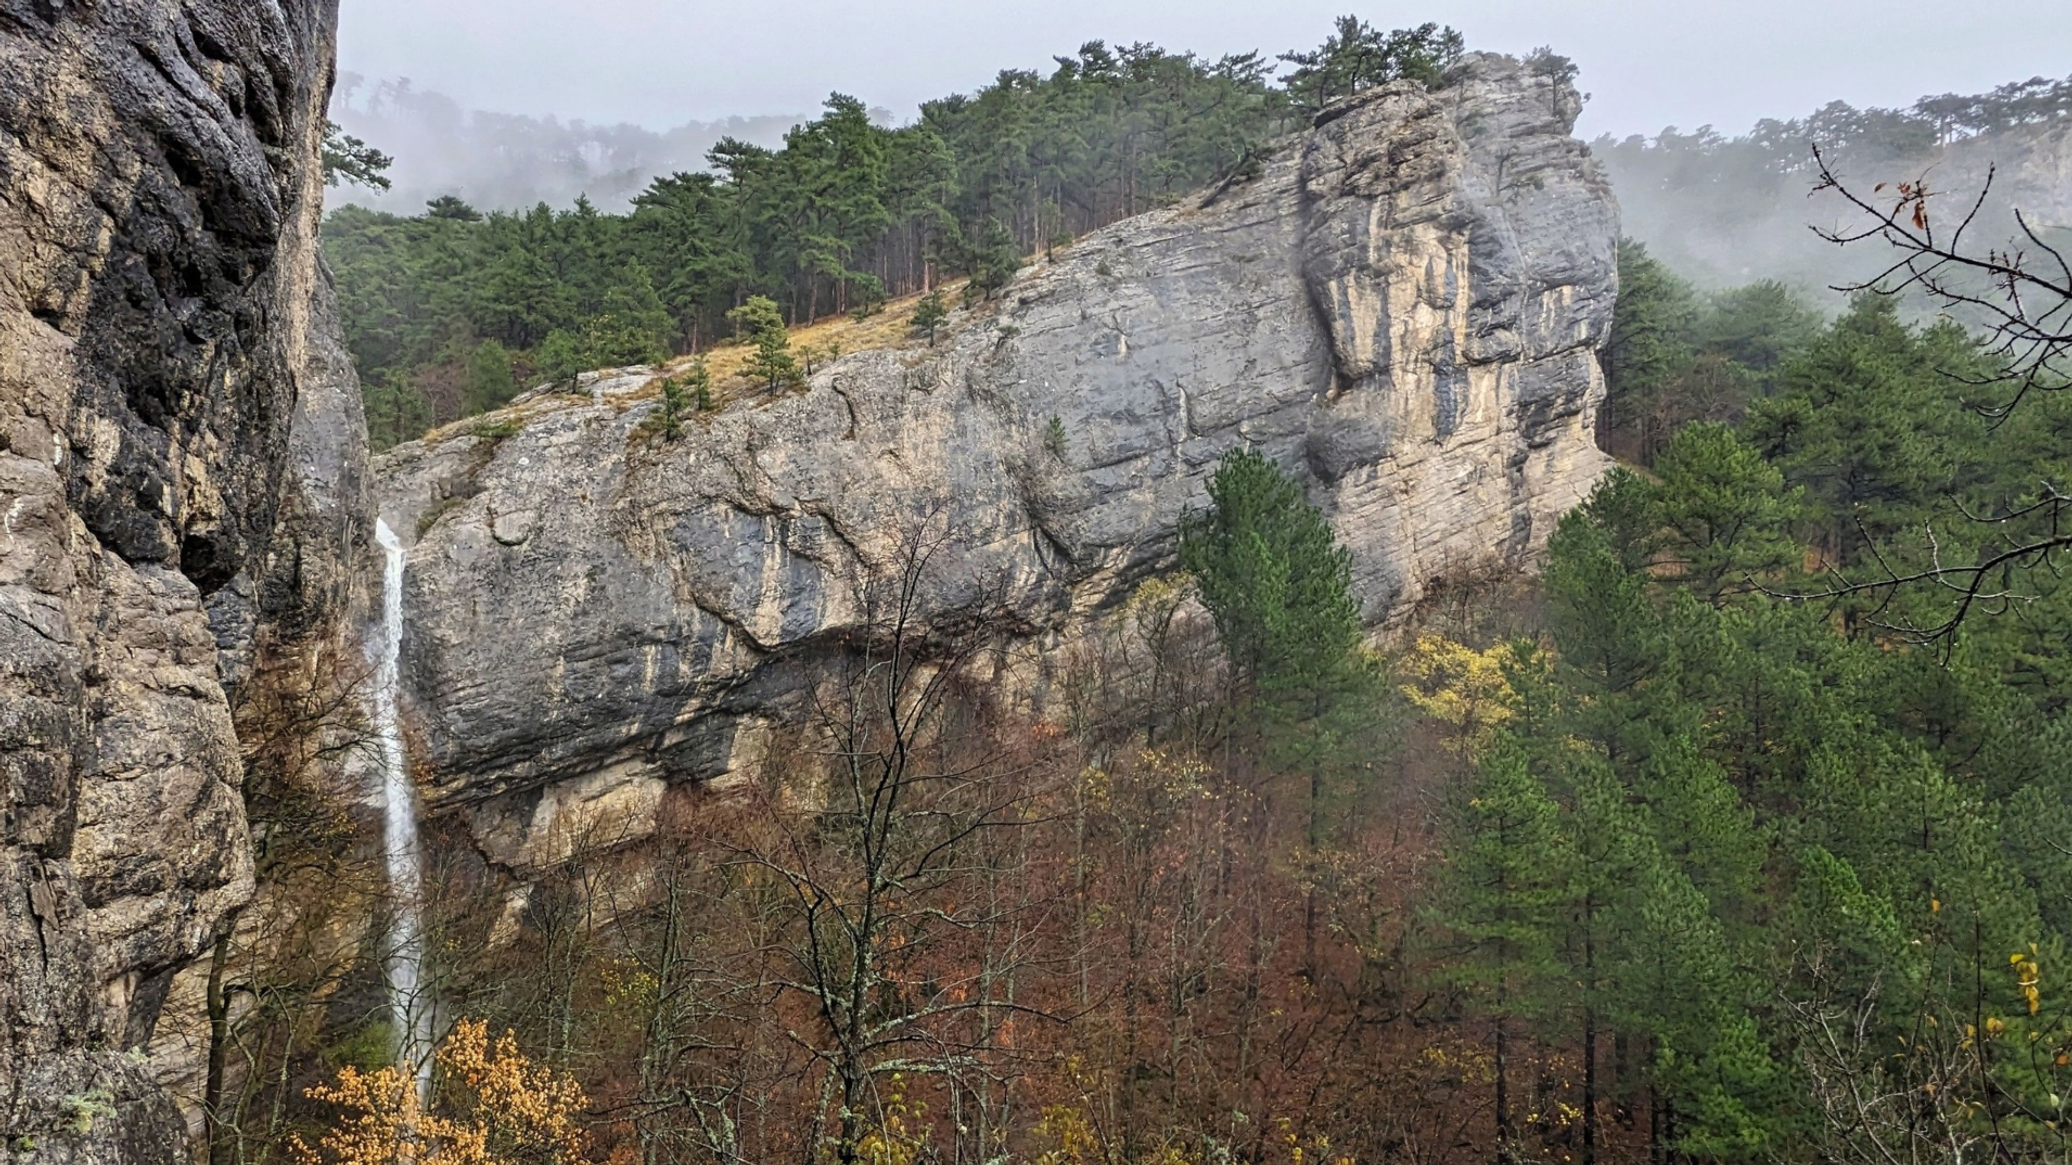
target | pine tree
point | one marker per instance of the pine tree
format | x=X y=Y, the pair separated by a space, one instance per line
x=1677 y=987
x=762 y=324
x=1650 y=347
x=682 y=394
x=1279 y=587
x=1606 y=627
x=992 y=256
x=490 y=384
x=1857 y=422
x=1359 y=56
x=1726 y=512
x=1502 y=887
x=1272 y=574
x=698 y=385
x=929 y=315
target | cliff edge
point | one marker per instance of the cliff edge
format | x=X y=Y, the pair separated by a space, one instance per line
x=1403 y=306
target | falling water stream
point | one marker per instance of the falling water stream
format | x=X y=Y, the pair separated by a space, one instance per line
x=408 y=1004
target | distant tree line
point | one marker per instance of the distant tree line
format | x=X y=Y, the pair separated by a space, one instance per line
x=1841 y=127
x=1727 y=209
x=447 y=311
x=508 y=161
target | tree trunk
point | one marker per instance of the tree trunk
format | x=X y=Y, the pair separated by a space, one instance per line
x=1589 y=1034
x=1503 y=1097
x=1309 y=897
x=219 y=1054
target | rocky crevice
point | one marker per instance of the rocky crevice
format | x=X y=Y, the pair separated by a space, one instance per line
x=182 y=474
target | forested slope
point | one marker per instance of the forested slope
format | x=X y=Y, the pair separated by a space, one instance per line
x=1732 y=834
x=1730 y=209
x=448 y=310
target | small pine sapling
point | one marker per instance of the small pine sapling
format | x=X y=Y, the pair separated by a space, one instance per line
x=1054 y=437
x=929 y=315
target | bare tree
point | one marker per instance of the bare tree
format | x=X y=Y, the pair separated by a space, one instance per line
x=874 y=839
x=2020 y=294
x=1931 y=1076
x=270 y=976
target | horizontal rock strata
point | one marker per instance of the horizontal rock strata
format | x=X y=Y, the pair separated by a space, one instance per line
x=1403 y=306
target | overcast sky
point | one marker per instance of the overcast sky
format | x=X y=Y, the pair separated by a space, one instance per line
x=1648 y=63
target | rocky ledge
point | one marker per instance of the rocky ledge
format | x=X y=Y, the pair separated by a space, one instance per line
x=1404 y=306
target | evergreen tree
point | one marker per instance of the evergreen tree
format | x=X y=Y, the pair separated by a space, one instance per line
x=698 y=383
x=929 y=315
x=348 y=159
x=450 y=206
x=1726 y=513
x=1650 y=347
x=762 y=325
x=991 y=257
x=490 y=384
x=1358 y=56
x=561 y=356
x=1502 y=885
x=1860 y=422
x=1758 y=327
x=1273 y=576
x=1279 y=587
x=677 y=399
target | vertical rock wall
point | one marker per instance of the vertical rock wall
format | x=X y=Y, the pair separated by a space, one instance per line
x=180 y=478
x=1402 y=307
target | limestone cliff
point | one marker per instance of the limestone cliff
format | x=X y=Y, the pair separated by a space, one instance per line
x=1403 y=305
x=181 y=463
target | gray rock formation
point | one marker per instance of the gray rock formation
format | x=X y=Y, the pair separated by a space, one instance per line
x=181 y=463
x=1403 y=306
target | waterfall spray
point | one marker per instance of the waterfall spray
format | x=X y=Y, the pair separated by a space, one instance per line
x=411 y=1010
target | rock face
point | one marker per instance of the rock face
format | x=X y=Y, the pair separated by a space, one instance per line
x=181 y=464
x=2031 y=171
x=1403 y=306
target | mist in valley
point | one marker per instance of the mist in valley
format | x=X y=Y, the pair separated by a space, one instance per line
x=510 y=161
x=1726 y=208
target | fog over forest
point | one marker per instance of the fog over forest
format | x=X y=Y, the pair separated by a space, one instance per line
x=504 y=161
x=1721 y=206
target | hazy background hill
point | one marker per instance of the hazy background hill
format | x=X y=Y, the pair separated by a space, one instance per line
x=506 y=161
x=1726 y=210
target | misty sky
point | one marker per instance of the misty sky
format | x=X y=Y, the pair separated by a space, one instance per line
x=1648 y=64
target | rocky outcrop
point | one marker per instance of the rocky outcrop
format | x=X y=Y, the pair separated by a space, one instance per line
x=2029 y=166
x=181 y=464
x=1403 y=306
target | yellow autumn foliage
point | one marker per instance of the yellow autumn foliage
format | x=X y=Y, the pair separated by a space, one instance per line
x=495 y=1107
x=1460 y=687
x=900 y=1136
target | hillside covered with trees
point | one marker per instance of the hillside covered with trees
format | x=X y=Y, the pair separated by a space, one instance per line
x=1672 y=853
x=448 y=311
x=1726 y=209
x=1741 y=832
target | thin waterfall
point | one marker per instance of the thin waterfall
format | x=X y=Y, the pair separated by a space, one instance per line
x=410 y=1008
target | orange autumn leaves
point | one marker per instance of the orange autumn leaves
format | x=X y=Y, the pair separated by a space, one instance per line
x=494 y=1107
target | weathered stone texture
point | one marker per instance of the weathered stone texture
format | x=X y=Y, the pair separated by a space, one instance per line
x=1403 y=306
x=180 y=469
